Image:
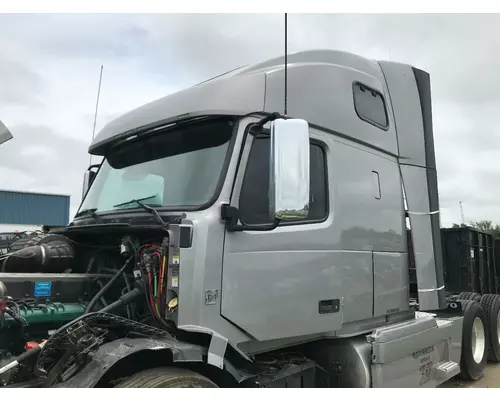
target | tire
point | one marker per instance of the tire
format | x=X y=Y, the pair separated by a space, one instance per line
x=474 y=352
x=469 y=296
x=491 y=308
x=166 y=378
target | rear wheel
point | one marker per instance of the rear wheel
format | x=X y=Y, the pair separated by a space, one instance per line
x=167 y=377
x=474 y=342
x=491 y=308
x=469 y=296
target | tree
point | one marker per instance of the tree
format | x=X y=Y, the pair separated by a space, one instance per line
x=496 y=232
x=487 y=226
x=483 y=225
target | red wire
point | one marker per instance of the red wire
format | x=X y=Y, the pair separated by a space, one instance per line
x=150 y=280
x=149 y=247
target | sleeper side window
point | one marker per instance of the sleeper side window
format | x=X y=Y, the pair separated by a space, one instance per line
x=370 y=106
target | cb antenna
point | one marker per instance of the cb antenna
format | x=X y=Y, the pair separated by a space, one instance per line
x=96 y=109
x=462 y=213
x=286 y=62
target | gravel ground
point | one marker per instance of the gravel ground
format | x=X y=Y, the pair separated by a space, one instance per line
x=491 y=379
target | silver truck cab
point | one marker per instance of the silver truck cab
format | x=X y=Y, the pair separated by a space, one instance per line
x=335 y=264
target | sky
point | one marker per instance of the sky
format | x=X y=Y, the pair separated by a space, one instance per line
x=50 y=64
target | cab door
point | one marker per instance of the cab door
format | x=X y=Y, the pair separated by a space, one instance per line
x=285 y=282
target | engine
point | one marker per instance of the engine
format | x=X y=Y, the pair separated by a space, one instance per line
x=39 y=292
x=50 y=282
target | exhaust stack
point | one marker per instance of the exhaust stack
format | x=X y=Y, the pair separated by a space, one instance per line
x=410 y=93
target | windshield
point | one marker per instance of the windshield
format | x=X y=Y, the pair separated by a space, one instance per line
x=177 y=168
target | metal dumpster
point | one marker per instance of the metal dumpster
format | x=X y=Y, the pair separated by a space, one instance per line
x=469 y=260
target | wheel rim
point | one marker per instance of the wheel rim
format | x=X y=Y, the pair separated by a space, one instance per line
x=478 y=340
x=498 y=327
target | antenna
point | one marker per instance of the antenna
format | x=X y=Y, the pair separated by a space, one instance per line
x=286 y=62
x=96 y=108
x=462 y=212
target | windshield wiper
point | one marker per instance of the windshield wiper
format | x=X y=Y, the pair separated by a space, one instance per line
x=90 y=211
x=137 y=201
x=149 y=209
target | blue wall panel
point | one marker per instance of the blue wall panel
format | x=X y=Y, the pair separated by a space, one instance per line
x=33 y=209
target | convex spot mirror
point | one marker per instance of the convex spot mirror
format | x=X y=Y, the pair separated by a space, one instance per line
x=88 y=178
x=289 y=169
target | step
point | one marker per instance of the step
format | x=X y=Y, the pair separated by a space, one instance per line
x=446 y=370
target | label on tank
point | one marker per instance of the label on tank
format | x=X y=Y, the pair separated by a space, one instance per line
x=43 y=289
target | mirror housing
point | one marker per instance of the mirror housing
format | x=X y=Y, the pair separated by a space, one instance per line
x=289 y=170
x=5 y=134
x=88 y=178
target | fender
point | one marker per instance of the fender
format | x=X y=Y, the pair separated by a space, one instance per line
x=112 y=352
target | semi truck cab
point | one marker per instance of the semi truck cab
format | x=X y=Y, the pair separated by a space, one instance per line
x=281 y=214
x=343 y=261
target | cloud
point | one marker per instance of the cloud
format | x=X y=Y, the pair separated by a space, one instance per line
x=49 y=68
x=19 y=85
x=40 y=156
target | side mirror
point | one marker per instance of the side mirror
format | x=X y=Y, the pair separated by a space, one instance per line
x=5 y=135
x=289 y=169
x=88 y=178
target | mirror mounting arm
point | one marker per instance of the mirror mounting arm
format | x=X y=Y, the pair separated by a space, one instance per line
x=93 y=166
x=231 y=216
x=269 y=118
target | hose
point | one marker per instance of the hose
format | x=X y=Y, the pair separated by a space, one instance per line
x=16 y=317
x=102 y=299
x=91 y=264
x=15 y=306
x=20 y=320
x=124 y=300
x=23 y=357
x=127 y=307
x=106 y=287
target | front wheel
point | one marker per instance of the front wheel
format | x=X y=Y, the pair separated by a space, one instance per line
x=167 y=377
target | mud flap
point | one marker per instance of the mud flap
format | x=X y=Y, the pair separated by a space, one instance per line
x=217 y=350
x=423 y=352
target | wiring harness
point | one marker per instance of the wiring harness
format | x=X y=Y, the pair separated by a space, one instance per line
x=153 y=267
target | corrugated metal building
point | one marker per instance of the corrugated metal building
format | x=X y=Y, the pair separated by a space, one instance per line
x=32 y=209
